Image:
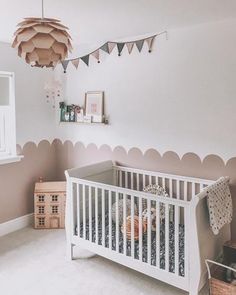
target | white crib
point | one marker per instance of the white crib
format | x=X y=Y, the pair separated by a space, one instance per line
x=174 y=253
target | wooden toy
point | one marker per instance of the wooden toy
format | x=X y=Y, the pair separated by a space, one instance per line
x=49 y=205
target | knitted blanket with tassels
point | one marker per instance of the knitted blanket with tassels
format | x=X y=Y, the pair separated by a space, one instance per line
x=219 y=202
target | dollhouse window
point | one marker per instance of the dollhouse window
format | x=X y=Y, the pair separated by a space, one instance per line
x=41 y=210
x=41 y=221
x=41 y=198
x=55 y=209
x=54 y=198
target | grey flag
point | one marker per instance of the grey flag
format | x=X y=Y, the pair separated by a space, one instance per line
x=105 y=48
x=85 y=59
x=120 y=47
x=139 y=44
x=65 y=64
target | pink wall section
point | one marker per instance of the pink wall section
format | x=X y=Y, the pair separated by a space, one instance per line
x=50 y=161
x=17 y=179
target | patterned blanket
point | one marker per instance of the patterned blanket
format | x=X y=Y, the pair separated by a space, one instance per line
x=144 y=248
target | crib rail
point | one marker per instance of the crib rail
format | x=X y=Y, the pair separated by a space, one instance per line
x=112 y=217
x=178 y=187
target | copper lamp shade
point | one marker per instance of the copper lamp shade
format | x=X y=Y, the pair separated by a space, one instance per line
x=42 y=42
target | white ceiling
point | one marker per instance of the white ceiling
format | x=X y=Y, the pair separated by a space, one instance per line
x=91 y=21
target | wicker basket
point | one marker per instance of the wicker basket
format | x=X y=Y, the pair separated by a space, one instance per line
x=218 y=285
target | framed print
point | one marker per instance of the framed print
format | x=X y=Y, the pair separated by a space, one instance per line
x=94 y=105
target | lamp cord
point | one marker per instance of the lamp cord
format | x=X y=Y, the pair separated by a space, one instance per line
x=42 y=8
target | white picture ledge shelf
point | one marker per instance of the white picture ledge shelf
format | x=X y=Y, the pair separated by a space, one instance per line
x=84 y=123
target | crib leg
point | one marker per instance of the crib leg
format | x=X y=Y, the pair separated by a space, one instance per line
x=69 y=251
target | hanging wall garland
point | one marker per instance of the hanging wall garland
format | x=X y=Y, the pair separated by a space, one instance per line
x=108 y=48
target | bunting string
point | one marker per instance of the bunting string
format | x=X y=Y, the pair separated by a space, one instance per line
x=109 y=46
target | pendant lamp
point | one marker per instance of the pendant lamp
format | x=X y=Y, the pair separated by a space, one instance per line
x=42 y=42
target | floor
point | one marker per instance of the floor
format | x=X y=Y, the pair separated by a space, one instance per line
x=33 y=263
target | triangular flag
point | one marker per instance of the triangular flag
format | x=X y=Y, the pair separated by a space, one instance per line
x=105 y=47
x=65 y=64
x=75 y=62
x=85 y=59
x=96 y=55
x=130 y=46
x=139 y=44
x=150 y=43
x=120 y=47
x=111 y=46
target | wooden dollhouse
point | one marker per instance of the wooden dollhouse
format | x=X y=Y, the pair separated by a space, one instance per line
x=49 y=205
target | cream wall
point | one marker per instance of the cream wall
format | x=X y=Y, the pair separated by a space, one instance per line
x=181 y=97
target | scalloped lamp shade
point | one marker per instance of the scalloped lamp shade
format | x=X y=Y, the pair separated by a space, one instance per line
x=42 y=42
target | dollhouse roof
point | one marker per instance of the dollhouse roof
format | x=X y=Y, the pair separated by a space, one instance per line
x=50 y=187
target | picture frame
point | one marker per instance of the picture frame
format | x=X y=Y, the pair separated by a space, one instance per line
x=94 y=105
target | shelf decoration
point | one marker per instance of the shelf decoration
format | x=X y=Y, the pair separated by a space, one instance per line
x=109 y=46
x=76 y=114
x=94 y=105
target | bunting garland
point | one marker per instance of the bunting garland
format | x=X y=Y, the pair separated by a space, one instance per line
x=139 y=45
x=85 y=59
x=75 y=62
x=130 y=46
x=109 y=46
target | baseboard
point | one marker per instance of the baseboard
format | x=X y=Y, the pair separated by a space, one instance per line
x=16 y=224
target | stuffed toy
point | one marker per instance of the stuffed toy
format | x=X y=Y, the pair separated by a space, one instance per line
x=153 y=217
x=136 y=227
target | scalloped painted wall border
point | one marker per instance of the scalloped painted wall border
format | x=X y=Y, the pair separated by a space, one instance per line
x=51 y=159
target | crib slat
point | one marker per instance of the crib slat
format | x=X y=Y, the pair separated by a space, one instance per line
x=157 y=234
x=163 y=182
x=96 y=215
x=177 y=190
x=138 y=187
x=110 y=221
x=103 y=217
x=118 y=178
x=140 y=230
x=149 y=231
x=156 y=180
x=167 y=237
x=150 y=179
x=126 y=179
x=132 y=226
x=186 y=258
x=117 y=223
x=114 y=177
x=132 y=180
x=90 y=214
x=121 y=181
x=144 y=181
x=84 y=213
x=185 y=191
x=171 y=188
x=72 y=188
x=78 y=210
x=176 y=240
x=124 y=224
x=193 y=189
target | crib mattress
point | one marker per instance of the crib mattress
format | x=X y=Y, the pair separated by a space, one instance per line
x=144 y=246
